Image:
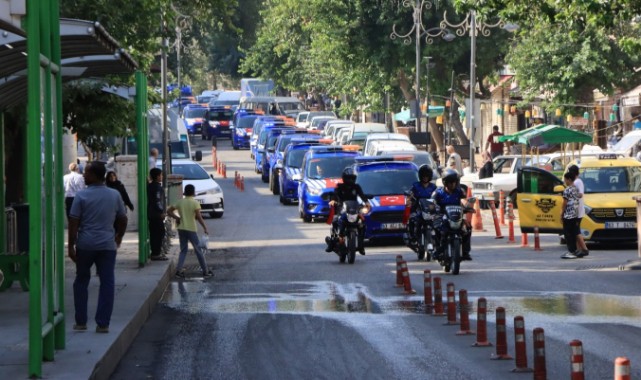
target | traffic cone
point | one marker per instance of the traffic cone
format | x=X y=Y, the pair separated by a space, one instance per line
x=399 y=271
x=502 y=207
x=519 y=345
x=464 y=313
x=497 y=228
x=622 y=369
x=438 y=298
x=481 y=324
x=537 y=241
x=407 y=284
x=540 y=372
x=477 y=219
x=427 y=290
x=577 y=360
x=451 y=304
x=501 y=336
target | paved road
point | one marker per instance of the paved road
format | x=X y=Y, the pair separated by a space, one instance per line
x=279 y=307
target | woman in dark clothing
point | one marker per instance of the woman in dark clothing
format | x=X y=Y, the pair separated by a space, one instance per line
x=114 y=183
x=487 y=170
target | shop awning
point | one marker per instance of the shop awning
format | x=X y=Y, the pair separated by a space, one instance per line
x=547 y=134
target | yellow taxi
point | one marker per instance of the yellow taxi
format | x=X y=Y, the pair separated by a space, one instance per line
x=610 y=183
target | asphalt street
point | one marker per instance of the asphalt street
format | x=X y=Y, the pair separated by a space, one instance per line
x=279 y=307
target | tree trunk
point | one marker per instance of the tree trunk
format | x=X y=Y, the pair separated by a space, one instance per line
x=435 y=134
x=405 y=87
x=457 y=126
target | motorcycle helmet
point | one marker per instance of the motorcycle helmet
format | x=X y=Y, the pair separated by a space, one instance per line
x=450 y=176
x=425 y=172
x=349 y=176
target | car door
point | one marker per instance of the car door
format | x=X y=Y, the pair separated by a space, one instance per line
x=539 y=205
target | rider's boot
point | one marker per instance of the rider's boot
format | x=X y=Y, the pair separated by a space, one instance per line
x=330 y=244
x=361 y=243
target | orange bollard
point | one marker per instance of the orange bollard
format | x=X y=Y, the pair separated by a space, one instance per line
x=537 y=241
x=524 y=242
x=214 y=159
x=577 y=360
x=451 y=304
x=622 y=368
x=481 y=324
x=438 y=298
x=501 y=336
x=502 y=207
x=477 y=218
x=218 y=167
x=468 y=216
x=407 y=284
x=519 y=345
x=242 y=183
x=427 y=290
x=540 y=372
x=236 y=178
x=224 y=171
x=510 y=217
x=399 y=271
x=464 y=313
x=497 y=228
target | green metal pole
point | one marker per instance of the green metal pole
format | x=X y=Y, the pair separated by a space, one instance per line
x=143 y=165
x=47 y=167
x=3 y=219
x=59 y=237
x=33 y=185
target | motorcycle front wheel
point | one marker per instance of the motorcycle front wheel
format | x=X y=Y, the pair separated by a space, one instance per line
x=351 y=247
x=455 y=255
x=420 y=246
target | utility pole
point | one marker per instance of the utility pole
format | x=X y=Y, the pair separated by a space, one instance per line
x=165 y=127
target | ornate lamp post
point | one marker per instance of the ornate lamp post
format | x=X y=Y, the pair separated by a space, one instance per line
x=473 y=26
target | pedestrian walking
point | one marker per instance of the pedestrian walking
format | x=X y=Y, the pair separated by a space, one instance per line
x=93 y=240
x=73 y=183
x=156 y=214
x=454 y=160
x=570 y=214
x=113 y=182
x=189 y=212
x=582 y=249
x=495 y=147
x=153 y=157
x=487 y=170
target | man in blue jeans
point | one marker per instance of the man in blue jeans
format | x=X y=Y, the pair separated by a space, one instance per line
x=93 y=240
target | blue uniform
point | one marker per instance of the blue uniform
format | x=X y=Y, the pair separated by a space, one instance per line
x=443 y=198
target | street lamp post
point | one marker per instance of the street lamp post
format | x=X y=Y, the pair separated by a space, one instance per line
x=182 y=22
x=473 y=26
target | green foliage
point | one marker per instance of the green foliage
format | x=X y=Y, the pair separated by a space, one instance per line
x=94 y=114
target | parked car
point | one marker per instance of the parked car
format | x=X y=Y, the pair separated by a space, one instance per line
x=208 y=193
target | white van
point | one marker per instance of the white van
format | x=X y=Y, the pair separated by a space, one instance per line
x=362 y=130
x=378 y=147
x=227 y=98
x=274 y=105
x=331 y=126
x=383 y=136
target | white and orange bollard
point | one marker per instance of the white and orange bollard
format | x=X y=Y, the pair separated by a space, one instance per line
x=501 y=336
x=464 y=313
x=497 y=228
x=537 y=240
x=407 y=284
x=577 y=360
x=540 y=371
x=622 y=369
x=451 y=304
x=510 y=217
x=427 y=290
x=438 y=298
x=520 y=346
x=502 y=207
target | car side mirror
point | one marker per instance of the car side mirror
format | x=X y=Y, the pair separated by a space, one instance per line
x=198 y=156
x=559 y=188
x=212 y=176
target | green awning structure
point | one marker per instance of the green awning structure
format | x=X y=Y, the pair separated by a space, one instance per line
x=547 y=134
x=404 y=116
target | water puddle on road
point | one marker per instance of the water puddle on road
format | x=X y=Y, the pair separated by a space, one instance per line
x=332 y=298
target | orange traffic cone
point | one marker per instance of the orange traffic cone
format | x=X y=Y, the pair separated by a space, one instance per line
x=477 y=219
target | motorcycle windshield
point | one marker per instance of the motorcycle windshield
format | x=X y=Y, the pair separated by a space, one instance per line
x=427 y=205
x=454 y=212
x=351 y=207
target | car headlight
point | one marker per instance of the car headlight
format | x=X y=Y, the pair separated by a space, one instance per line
x=315 y=191
x=214 y=190
x=587 y=209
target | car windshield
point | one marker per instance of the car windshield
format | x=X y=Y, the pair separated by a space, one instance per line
x=291 y=106
x=303 y=116
x=611 y=179
x=246 y=121
x=272 y=141
x=328 y=167
x=195 y=113
x=178 y=149
x=284 y=141
x=388 y=182
x=189 y=171
x=262 y=138
x=220 y=115
x=295 y=158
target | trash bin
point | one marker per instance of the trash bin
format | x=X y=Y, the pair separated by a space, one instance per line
x=174 y=188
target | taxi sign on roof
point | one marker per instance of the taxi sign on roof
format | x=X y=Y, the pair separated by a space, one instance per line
x=608 y=156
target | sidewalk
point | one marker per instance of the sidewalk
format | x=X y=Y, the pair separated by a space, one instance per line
x=87 y=354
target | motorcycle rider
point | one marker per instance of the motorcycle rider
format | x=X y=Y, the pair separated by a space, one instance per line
x=451 y=194
x=423 y=188
x=349 y=190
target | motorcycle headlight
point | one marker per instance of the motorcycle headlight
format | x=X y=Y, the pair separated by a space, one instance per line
x=455 y=225
x=365 y=209
x=352 y=218
x=314 y=191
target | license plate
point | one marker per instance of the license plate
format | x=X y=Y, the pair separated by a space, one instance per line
x=393 y=226
x=199 y=201
x=620 y=225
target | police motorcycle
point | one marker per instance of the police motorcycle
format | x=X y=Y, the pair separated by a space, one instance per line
x=427 y=222
x=352 y=214
x=453 y=227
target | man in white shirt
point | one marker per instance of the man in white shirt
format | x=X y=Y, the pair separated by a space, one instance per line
x=73 y=183
x=454 y=160
x=582 y=249
x=153 y=157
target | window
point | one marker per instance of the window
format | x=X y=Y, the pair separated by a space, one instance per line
x=538 y=182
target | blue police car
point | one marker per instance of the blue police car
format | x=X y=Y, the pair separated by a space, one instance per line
x=289 y=172
x=321 y=171
x=261 y=145
x=193 y=115
x=270 y=149
x=386 y=182
x=259 y=124
x=217 y=122
x=298 y=136
x=241 y=129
